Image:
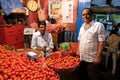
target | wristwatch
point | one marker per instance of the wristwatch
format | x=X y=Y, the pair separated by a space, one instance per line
x=32 y=5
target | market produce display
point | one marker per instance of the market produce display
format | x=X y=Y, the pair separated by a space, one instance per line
x=65 y=46
x=20 y=67
x=55 y=28
x=60 y=61
x=71 y=48
x=72 y=51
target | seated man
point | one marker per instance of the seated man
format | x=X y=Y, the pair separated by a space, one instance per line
x=42 y=40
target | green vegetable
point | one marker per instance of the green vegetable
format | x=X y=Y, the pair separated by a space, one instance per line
x=65 y=45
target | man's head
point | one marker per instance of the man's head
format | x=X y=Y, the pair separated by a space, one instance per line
x=87 y=14
x=42 y=27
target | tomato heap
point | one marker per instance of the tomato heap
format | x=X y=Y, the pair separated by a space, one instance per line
x=73 y=49
x=19 y=67
x=54 y=28
x=60 y=61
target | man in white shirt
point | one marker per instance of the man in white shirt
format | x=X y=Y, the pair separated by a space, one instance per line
x=90 y=45
x=42 y=40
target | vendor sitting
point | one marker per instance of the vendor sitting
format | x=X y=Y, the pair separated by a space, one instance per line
x=42 y=40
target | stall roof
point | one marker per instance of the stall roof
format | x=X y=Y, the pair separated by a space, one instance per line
x=106 y=9
x=106 y=2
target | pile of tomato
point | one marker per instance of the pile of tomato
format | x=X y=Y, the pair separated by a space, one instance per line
x=61 y=60
x=18 y=67
x=54 y=28
x=73 y=49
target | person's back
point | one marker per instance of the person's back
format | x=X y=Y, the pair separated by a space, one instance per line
x=113 y=41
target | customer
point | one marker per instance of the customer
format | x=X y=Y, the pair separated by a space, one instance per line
x=42 y=40
x=113 y=40
x=90 y=45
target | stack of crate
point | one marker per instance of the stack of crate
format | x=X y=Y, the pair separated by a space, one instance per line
x=12 y=35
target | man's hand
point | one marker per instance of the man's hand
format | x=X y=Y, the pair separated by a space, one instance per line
x=97 y=60
x=50 y=50
x=77 y=53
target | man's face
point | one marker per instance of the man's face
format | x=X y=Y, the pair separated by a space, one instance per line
x=86 y=16
x=42 y=29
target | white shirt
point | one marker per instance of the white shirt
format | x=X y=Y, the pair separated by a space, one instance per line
x=89 y=40
x=39 y=41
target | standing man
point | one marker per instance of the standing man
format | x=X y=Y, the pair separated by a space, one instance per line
x=90 y=45
x=113 y=42
x=42 y=40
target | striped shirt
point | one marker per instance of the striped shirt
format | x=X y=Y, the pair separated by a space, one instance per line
x=89 y=40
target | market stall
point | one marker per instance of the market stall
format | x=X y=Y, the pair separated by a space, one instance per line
x=19 y=21
x=31 y=64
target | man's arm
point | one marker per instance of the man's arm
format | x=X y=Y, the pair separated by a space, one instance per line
x=33 y=42
x=51 y=44
x=78 y=50
x=99 y=52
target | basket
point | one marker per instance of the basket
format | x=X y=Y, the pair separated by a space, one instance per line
x=64 y=70
x=57 y=75
x=68 y=69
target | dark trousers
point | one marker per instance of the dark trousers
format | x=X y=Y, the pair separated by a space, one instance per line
x=88 y=71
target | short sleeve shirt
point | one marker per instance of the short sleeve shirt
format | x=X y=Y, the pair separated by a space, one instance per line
x=89 y=40
x=39 y=41
x=113 y=42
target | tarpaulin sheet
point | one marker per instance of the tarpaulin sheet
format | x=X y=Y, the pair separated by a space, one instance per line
x=8 y=5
